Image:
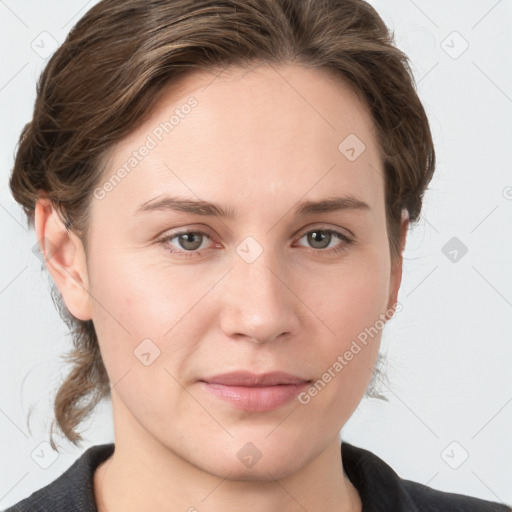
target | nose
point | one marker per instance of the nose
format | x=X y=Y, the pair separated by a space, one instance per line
x=258 y=302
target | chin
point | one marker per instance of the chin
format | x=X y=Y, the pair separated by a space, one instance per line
x=262 y=471
x=261 y=460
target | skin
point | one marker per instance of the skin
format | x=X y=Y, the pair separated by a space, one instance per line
x=258 y=141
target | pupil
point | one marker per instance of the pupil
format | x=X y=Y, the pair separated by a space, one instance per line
x=188 y=238
x=319 y=237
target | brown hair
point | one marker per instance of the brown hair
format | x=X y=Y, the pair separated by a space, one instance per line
x=103 y=81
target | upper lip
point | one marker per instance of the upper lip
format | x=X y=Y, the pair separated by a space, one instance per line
x=245 y=378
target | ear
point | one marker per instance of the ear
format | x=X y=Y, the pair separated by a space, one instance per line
x=65 y=258
x=396 y=269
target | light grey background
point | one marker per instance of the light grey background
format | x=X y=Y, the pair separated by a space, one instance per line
x=449 y=349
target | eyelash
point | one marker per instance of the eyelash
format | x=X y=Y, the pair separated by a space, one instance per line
x=333 y=250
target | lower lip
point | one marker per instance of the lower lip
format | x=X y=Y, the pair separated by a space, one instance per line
x=257 y=399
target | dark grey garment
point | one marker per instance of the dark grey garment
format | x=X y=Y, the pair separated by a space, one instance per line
x=380 y=488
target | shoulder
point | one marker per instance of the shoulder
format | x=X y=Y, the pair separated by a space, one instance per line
x=381 y=489
x=432 y=500
x=73 y=490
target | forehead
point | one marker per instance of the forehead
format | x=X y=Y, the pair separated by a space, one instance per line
x=265 y=131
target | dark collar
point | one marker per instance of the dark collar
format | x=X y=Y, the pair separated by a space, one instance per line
x=380 y=488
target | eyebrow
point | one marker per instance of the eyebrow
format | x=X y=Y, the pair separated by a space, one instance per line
x=209 y=209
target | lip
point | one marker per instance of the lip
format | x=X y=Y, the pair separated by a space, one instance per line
x=255 y=392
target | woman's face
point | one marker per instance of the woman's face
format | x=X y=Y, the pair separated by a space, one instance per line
x=265 y=288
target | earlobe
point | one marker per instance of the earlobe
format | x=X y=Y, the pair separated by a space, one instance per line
x=396 y=271
x=65 y=258
x=403 y=230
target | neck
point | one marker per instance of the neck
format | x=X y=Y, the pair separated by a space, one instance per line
x=144 y=475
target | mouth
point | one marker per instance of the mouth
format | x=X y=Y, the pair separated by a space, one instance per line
x=253 y=392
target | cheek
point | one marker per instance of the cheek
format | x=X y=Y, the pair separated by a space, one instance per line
x=354 y=297
x=352 y=307
x=149 y=312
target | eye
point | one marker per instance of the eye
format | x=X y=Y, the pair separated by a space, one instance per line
x=189 y=243
x=321 y=238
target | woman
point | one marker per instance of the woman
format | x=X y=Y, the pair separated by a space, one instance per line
x=222 y=192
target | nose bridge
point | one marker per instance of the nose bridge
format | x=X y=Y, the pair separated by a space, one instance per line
x=257 y=303
x=255 y=269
